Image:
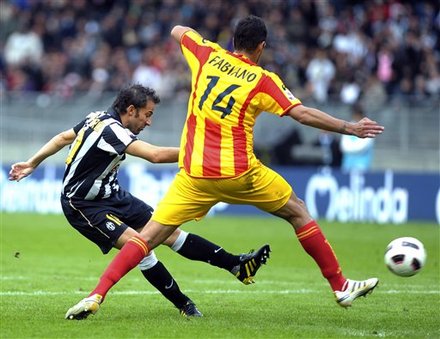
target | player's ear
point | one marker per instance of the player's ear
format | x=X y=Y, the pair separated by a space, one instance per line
x=261 y=46
x=131 y=110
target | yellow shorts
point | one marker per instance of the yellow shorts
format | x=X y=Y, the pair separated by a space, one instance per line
x=191 y=198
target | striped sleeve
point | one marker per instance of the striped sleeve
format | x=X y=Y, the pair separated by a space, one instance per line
x=115 y=139
x=78 y=126
x=275 y=97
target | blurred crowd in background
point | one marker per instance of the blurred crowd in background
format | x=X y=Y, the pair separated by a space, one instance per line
x=355 y=51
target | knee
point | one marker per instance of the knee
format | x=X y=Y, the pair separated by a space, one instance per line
x=302 y=205
x=297 y=213
x=172 y=238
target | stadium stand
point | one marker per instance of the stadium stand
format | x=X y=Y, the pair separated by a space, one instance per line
x=383 y=55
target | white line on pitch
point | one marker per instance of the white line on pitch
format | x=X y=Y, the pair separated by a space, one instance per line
x=269 y=283
x=299 y=291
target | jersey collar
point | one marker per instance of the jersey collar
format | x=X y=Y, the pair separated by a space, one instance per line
x=111 y=111
x=242 y=57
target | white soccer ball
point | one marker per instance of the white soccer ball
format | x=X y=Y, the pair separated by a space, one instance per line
x=405 y=256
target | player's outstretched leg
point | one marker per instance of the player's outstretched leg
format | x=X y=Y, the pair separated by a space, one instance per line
x=353 y=289
x=84 y=308
x=250 y=263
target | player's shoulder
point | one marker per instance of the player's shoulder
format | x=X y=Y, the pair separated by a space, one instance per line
x=275 y=79
x=96 y=114
x=200 y=40
x=271 y=74
x=103 y=119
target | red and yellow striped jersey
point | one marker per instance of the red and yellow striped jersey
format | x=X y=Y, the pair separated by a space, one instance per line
x=228 y=92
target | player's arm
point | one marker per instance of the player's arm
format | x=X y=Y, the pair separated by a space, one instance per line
x=21 y=170
x=152 y=153
x=313 y=117
x=178 y=31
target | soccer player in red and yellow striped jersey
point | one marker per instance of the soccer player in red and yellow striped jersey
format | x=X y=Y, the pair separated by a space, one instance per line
x=229 y=91
x=216 y=158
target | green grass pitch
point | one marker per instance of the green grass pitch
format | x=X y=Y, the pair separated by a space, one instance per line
x=46 y=267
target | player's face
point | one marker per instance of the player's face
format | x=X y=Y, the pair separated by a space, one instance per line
x=141 y=117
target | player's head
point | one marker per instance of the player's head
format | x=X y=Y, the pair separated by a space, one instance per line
x=135 y=105
x=250 y=34
x=136 y=96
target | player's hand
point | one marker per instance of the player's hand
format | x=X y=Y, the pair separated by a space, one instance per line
x=366 y=128
x=20 y=170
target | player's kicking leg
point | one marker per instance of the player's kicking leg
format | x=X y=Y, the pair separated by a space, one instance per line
x=243 y=266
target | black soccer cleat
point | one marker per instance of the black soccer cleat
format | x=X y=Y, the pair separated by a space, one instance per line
x=190 y=310
x=250 y=263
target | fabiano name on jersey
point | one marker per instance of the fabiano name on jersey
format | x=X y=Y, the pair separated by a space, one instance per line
x=235 y=71
x=241 y=73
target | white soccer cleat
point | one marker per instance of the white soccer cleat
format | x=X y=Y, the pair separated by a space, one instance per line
x=353 y=289
x=84 y=308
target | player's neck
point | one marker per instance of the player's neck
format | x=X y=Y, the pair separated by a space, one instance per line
x=251 y=56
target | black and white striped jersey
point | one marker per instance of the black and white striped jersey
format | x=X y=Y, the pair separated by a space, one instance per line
x=95 y=155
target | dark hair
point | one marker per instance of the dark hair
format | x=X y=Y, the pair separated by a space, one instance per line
x=249 y=32
x=136 y=95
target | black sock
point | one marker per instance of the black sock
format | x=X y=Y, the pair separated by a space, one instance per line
x=159 y=277
x=198 y=248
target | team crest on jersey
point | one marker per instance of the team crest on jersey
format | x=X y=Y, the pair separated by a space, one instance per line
x=110 y=226
x=288 y=93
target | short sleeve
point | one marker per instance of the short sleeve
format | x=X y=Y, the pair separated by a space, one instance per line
x=275 y=97
x=79 y=125
x=115 y=139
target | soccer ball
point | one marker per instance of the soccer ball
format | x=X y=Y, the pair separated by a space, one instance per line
x=405 y=256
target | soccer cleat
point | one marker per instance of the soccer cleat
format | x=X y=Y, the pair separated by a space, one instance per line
x=190 y=310
x=354 y=289
x=250 y=263
x=84 y=308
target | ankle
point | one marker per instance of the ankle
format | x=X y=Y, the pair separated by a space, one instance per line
x=345 y=285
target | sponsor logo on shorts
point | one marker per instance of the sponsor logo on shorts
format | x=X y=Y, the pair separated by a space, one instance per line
x=110 y=226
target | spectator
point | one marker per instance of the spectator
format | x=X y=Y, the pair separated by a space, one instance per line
x=320 y=72
x=385 y=61
x=147 y=72
x=23 y=46
x=350 y=90
x=357 y=153
x=374 y=95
